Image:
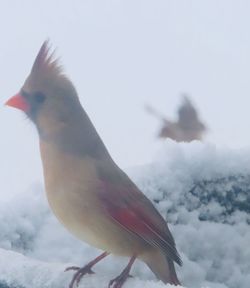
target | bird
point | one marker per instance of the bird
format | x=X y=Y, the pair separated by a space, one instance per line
x=188 y=126
x=89 y=194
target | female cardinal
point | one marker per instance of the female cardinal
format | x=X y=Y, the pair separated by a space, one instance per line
x=89 y=194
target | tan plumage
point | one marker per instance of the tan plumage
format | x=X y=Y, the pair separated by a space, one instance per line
x=90 y=195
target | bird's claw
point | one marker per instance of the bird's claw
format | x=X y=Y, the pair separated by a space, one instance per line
x=119 y=281
x=80 y=272
x=74 y=268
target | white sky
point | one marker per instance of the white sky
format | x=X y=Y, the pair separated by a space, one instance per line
x=121 y=55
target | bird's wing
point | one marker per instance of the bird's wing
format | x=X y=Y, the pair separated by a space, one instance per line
x=187 y=113
x=188 y=118
x=128 y=207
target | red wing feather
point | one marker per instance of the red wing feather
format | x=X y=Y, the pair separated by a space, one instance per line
x=135 y=213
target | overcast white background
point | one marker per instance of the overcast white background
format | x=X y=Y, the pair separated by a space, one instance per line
x=121 y=55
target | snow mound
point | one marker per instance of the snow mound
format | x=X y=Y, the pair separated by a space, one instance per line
x=20 y=271
x=202 y=191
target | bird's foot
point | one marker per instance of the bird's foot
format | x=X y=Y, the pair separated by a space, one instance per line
x=119 y=280
x=79 y=274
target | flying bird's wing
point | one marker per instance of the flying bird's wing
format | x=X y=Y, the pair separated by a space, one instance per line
x=187 y=113
x=128 y=207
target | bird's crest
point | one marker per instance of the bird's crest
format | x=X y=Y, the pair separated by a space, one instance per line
x=45 y=62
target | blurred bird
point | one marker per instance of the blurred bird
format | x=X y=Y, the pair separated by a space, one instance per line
x=90 y=195
x=188 y=126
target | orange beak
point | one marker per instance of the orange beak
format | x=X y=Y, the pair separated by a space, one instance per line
x=19 y=102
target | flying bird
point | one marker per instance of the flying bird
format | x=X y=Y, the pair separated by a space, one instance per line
x=188 y=126
x=89 y=194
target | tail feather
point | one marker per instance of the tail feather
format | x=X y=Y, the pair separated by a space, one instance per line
x=173 y=274
x=162 y=267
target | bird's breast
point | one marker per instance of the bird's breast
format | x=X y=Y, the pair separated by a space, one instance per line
x=72 y=187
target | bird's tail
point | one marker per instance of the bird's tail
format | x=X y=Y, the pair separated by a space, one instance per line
x=162 y=267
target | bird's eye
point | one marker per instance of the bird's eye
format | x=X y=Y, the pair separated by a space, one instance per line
x=39 y=97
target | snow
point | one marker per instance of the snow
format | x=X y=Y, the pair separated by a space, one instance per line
x=192 y=185
x=26 y=272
